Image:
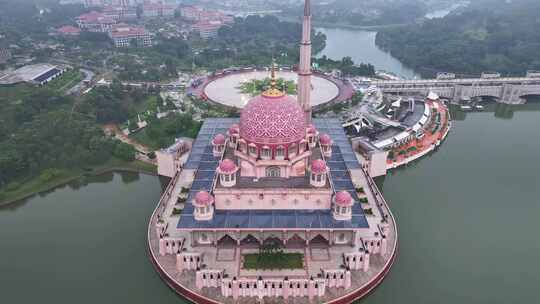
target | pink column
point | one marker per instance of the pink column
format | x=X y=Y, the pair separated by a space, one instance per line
x=332 y=281
x=311 y=290
x=162 y=249
x=224 y=288
x=158 y=230
x=384 y=245
x=198 y=280
x=179 y=262
x=321 y=288
x=235 y=289
x=347 y=283
x=260 y=289
x=366 y=261
x=286 y=285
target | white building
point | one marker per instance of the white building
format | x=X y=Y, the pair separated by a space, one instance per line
x=169 y=160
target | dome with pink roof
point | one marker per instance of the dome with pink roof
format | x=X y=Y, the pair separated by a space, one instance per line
x=219 y=139
x=227 y=166
x=272 y=119
x=343 y=199
x=234 y=129
x=325 y=139
x=311 y=129
x=318 y=166
x=203 y=198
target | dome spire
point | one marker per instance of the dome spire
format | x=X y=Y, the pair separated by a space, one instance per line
x=273 y=91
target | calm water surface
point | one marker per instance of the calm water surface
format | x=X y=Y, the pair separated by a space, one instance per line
x=360 y=46
x=467 y=215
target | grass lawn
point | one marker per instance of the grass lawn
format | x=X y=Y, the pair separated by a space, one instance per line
x=35 y=185
x=274 y=261
x=66 y=81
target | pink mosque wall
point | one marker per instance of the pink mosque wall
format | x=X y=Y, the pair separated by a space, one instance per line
x=289 y=199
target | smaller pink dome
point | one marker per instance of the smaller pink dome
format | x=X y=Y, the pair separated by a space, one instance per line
x=219 y=139
x=234 y=129
x=343 y=199
x=325 y=139
x=318 y=166
x=227 y=166
x=203 y=198
x=311 y=129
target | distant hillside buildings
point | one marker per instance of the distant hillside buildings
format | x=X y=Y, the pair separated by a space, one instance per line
x=95 y=22
x=155 y=10
x=5 y=55
x=112 y=12
x=124 y=35
x=120 y=13
x=206 y=23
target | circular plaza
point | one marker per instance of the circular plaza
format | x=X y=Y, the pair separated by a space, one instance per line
x=225 y=88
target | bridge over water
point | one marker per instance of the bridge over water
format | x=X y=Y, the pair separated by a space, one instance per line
x=509 y=90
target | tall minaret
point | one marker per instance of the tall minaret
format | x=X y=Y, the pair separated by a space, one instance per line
x=304 y=69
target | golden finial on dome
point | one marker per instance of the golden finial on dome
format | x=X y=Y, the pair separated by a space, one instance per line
x=273 y=91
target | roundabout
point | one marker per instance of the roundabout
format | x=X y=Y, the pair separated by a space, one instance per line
x=224 y=87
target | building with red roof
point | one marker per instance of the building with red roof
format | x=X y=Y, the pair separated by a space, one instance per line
x=68 y=30
x=123 y=35
x=155 y=10
x=95 y=22
x=120 y=13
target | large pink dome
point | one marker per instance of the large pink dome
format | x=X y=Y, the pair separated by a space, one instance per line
x=272 y=120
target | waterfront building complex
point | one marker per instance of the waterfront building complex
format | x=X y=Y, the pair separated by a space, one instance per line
x=272 y=186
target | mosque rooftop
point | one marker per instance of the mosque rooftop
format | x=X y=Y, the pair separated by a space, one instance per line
x=202 y=160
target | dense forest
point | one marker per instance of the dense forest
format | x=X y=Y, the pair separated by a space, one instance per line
x=490 y=35
x=254 y=41
x=366 y=12
x=42 y=131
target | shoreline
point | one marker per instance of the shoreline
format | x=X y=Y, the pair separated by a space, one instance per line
x=66 y=180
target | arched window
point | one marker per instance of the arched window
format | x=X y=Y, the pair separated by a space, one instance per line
x=266 y=153
x=273 y=171
x=280 y=152
x=253 y=150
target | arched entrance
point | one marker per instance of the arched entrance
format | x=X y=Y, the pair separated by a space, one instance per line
x=273 y=242
x=226 y=242
x=250 y=241
x=319 y=242
x=273 y=171
x=296 y=242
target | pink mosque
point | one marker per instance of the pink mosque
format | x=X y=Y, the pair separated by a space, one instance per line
x=275 y=175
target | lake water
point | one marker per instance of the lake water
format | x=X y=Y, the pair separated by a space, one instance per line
x=360 y=46
x=467 y=217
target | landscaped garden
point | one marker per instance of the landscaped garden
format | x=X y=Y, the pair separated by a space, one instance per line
x=272 y=257
x=255 y=87
x=277 y=260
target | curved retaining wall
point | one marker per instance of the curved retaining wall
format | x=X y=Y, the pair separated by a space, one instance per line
x=346 y=299
x=345 y=92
